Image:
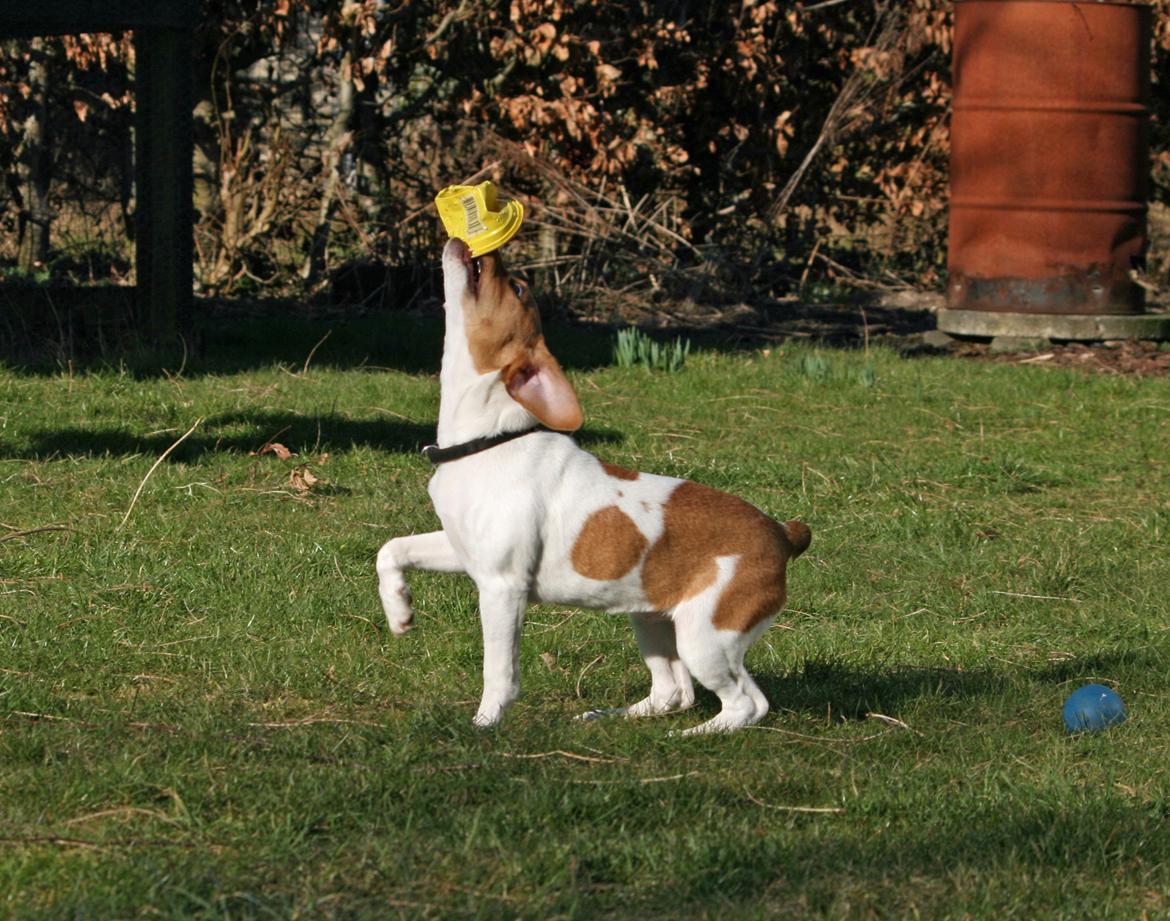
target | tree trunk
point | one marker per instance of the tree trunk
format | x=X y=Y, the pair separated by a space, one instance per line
x=337 y=140
x=35 y=216
x=548 y=276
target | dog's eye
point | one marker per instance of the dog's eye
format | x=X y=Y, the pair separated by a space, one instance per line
x=518 y=287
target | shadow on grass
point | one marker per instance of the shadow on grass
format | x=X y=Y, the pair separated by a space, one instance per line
x=245 y=432
x=850 y=692
x=230 y=337
x=841 y=872
x=228 y=343
x=411 y=342
x=903 y=829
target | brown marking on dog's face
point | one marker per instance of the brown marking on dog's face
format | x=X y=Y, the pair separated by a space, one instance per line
x=619 y=473
x=499 y=315
x=502 y=325
x=609 y=545
x=701 y=524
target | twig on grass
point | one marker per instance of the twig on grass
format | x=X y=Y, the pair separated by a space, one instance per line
x=581 y=677
x=1035 y=597
x=564 y=754
x=826 y=742
x=641 y=780
x=390 y=412
x=38 y=717
x=670 y=777
x=150 y=472
x=54 y=839
x=13 y=535
x=881 y=717
x=313 y=351
x=569 y=615
x=312 y=720
x=359 y=617
x=62 y=841
x=122 y=811
x=815 y=810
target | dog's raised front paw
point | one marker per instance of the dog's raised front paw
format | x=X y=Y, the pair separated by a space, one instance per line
x=399 y=612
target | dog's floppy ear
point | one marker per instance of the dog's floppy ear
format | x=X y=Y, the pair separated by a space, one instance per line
x=538 y=384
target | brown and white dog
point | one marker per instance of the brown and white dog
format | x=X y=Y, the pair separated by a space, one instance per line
x=529 y=516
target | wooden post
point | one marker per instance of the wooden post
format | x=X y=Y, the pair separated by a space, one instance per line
x=163 y=174
x=163 y=138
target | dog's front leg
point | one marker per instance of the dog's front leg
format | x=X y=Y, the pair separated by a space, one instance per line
x=431 y=551
x=501 y=613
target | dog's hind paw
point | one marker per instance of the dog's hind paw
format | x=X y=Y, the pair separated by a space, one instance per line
x=724 y=721
x=488 y=719
x=646 y=707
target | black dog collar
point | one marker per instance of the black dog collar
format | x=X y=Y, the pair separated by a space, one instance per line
x=437 y=455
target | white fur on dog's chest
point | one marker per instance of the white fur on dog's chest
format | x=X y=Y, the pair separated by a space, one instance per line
x=524 y=505
x=485 y=512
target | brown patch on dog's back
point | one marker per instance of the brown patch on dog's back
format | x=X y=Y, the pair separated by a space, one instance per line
x=701 y=524
x=609 y=545
x=619 y=473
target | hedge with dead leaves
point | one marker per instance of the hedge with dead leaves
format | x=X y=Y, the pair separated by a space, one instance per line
x=675 y=149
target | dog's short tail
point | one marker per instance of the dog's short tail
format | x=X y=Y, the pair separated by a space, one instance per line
x=799 y=535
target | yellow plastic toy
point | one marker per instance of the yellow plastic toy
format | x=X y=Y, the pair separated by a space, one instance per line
x=470 y=213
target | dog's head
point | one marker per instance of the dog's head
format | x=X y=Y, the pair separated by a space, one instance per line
x=502 y=327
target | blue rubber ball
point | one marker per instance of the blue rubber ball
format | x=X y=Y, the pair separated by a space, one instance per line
x=1092 y=708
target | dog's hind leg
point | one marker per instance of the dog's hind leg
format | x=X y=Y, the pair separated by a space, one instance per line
x=671 y=689
x=431 y=551
x=715 y=658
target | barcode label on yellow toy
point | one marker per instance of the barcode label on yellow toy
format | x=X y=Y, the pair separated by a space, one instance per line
x=471 y=213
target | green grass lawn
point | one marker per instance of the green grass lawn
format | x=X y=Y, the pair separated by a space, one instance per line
x=203 y=715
